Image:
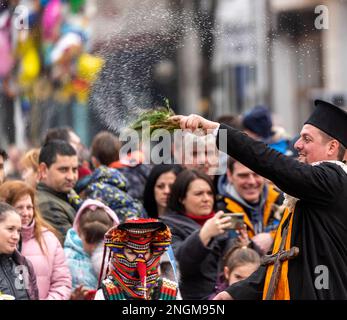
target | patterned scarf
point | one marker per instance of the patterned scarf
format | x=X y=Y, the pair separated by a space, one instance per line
x=138 y=277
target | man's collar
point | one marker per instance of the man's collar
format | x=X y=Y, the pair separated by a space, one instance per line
x=290 y=201
x=43 y=187
x=339 y=163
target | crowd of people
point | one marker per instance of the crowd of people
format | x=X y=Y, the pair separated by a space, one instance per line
x=83 y=223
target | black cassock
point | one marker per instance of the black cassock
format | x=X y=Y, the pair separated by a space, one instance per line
x=319 y=225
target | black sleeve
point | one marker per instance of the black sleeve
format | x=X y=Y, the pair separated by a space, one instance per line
x=250 y=288
x=317 y=184
x=190 y=252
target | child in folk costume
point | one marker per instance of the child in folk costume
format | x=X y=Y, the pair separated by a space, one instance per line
x=135 y=248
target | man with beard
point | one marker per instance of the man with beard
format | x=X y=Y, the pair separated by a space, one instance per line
x=316 y=219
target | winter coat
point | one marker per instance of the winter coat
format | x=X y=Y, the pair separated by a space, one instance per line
x=79 y=262
x=199 y=265
x=136 y=179
x=52 y=273
x=263 y=217
x=84 y=268
x=55 y=208
x=12 y=282
x=109 y=186
x=135 y=172
x=318 y=226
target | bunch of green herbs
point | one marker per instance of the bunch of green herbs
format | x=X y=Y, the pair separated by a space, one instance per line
x=157 y=118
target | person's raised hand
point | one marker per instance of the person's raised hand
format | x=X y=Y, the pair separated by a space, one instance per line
x=194 y=122
x=214 y=226
x=243 y=238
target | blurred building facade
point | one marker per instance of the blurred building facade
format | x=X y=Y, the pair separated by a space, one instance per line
x=308 y=57
x=288 y=53
x=205 y=56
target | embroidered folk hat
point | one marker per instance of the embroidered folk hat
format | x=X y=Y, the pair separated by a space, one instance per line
x=330 y=119
x=141 y=236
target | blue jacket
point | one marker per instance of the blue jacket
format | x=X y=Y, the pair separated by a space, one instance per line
x=79 y=262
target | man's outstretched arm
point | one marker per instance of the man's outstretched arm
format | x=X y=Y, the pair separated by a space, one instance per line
x=248 y=289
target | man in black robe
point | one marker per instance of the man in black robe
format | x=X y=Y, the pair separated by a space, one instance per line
x=317 y=197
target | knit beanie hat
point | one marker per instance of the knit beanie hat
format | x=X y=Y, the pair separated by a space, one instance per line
x=258 y=120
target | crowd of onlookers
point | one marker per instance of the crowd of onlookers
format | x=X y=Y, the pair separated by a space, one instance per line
x=59 y=200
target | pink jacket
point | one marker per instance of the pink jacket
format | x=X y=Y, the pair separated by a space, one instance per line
x=52 y=273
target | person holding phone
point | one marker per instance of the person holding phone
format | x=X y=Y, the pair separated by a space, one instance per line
x=243 y=190
x=199 y=234
x=316 y=219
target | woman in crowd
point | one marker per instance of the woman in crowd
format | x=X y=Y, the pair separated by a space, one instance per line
x=13 y=285
x=84 y=245
x=30 y=167
x=155 y=197
x=39 y=243
x=239 y=264
x=199 y=236
x=158 y=188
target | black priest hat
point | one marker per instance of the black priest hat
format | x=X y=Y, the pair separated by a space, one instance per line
x=330 y=119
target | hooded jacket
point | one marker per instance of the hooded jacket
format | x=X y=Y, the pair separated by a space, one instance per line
x=83 y=267
x=135 y=172
x=109 y=186
x=258 y=218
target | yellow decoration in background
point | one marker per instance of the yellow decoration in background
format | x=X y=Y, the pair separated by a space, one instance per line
x=29 y=67
x=88 y=66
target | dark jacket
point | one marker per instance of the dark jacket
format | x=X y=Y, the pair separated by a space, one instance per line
x=17 y=277
x=319 y=226
x=55 y=208
x=199 y=265
x=136 y=177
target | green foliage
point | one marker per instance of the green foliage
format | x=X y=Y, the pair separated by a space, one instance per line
x=158 y=119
